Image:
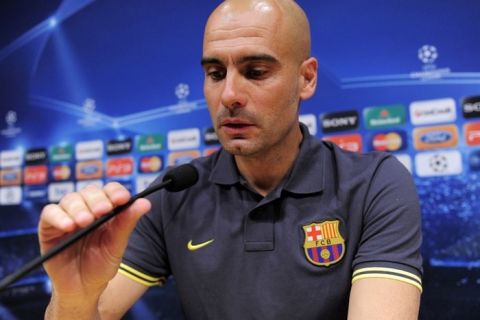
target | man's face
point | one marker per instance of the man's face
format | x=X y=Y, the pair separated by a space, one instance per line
x=251 y=83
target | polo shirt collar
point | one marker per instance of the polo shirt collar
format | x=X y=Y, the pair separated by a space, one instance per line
x=307 y=175
x=225 y=169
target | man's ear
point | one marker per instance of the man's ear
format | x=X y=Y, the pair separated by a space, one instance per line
x=308 y=82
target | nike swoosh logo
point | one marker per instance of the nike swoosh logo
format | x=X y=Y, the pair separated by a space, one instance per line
x=193 y=247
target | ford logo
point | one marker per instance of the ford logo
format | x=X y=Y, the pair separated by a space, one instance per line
x=435 y=137
x=89 y=169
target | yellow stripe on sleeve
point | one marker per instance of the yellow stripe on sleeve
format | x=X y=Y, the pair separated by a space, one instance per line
x=140 y=277
x=388 y=273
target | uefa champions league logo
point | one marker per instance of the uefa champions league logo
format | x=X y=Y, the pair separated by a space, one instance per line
x=90 y=119
x=11 y=119
x=427 y=54
x=182 y=90
x=89 y=106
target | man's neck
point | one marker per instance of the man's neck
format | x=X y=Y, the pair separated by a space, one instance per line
x=266 y=171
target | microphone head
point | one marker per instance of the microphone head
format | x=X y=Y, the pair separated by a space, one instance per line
x=181 y=177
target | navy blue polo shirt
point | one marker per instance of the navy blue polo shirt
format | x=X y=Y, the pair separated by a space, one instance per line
x=293 y=254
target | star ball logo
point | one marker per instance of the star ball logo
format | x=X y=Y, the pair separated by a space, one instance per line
x=427 y=54
x=440 y=163
x=182 y=91
x=11 y=119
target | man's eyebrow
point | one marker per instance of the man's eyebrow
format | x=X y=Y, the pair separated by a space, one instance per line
x=205 y=61
x=258 y=57
x=249 y=58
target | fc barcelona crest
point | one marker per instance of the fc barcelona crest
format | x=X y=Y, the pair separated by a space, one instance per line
x=324 y=245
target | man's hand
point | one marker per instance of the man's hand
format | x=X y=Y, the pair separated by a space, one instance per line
x=80 y=273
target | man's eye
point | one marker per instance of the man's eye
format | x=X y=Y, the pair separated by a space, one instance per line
x=256 y=73
x=216 y=75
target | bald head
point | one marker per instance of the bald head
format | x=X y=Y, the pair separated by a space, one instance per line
x=283 y=17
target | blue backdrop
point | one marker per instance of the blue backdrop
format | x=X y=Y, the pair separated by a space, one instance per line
x=94 y=91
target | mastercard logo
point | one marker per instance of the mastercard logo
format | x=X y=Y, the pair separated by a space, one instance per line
x=150 y=164
x=60 y=173
x=387 y=142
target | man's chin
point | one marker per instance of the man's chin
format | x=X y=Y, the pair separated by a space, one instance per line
x=239 y=147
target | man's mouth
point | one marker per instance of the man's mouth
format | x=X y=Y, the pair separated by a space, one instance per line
x=235 y=126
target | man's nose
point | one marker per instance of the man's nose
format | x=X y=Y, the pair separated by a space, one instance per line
x=233 y=95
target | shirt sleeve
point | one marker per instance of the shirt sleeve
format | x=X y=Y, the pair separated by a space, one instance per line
x=391 y=239
x=145 y=258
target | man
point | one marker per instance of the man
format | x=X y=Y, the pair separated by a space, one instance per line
x=279 y=224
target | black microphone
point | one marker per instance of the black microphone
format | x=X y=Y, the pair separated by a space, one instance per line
x=177 y=179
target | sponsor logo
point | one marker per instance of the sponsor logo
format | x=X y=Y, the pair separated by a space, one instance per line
x=88 y=150
x=88 y=170
x=60 y=172
x=210 y=137
x=471 y=107
x=324 y=245
x=388 y=141
x=150 y=164
x=310 y=121
x=119 y=167
x=435 y=137
x=119 y=146
x=10 y=196
x=33 y=175
x=82 y=184
x=431 y=164
x=10 y=177
x=433 y=111
x=58 y=190
x=10 y=158
x=35 y=193
x=181 y=157
x=405 y=160
x=474 y=160
x=61 y=153
x=339 y=121
x=350 y=142
x=472 y=133
x=36 y=156
x=184 y=139
x=381 y=117
x=144 y=181
x=149 y=143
